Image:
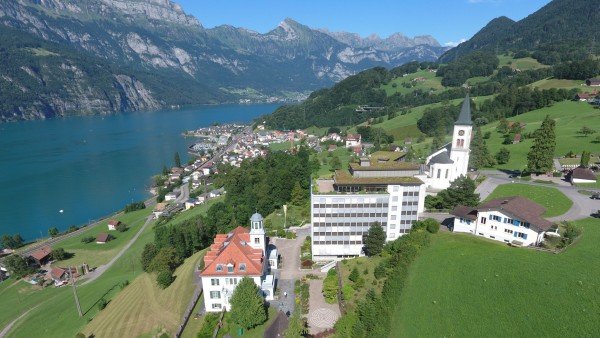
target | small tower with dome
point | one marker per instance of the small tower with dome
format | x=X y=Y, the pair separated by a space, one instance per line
x=257 y=232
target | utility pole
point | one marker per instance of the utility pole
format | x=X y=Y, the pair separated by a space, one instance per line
x=75 y=292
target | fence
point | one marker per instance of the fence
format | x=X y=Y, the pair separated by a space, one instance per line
x=188 y=312
x=341 y=302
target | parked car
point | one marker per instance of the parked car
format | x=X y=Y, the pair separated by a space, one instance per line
x=595 y=197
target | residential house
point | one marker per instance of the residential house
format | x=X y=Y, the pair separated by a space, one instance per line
x=190 y=203
x=233 y=256
x=41 y=256
x=159 y=209
x=172 y=195
x=216 y=193
x=331 y=147
x=582 y=175
x=584 y=97
x=353 y=140
x=61 y=276
x=515 y=220
x=103 y=238
x=517 y=139
x=113 y=224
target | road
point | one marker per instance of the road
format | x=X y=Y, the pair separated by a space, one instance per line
x=92 y=276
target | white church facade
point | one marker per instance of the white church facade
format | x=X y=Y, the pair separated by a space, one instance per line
x=451 y=161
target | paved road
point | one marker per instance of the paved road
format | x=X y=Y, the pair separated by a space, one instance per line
x=582 y=207
x=92 y=276
x=8 y=327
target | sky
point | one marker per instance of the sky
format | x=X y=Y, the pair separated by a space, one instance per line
x=449 y=21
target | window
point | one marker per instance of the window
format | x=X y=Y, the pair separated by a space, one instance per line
x=496 y=218
x=494 y=227
x=230 y=268
x=214 y=281
x=439 y=174
x=257 y=240
x=219 y=267
x=508 y=231
x=243 y=267
x=395 y=199
x=520 y=235
x=216 y=306
x=483 y=220
x=215 y=295
x=447 y=170
x=396 y=188
x=393 y=217
x=394 y=208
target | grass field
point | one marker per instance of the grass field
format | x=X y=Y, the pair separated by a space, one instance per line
x=97 y=254
x=287 y=145
x=569 y=116
x=522 y=64
x=555 y=202
x=296 y=215
x=143 y=307
x=565 y=84
x=466 y=286
x=342 y=153
x=431 y=82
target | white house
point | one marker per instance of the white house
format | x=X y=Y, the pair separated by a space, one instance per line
x=172 y=195
x=515 y=220
x=353 y=140
x=113 y=224
x=232 y=256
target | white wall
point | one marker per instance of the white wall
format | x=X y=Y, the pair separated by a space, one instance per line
x=497 y=230
x=207 y=287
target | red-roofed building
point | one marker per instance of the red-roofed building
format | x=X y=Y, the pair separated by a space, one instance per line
x=113 y=224
x=240 y=253
x=42 y=255
x=353 y=140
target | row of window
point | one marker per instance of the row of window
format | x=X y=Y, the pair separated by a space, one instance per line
x=410 y=203
x=506 y=220
x=352 y=214
x=242 y=267
x=337 y=242
x=347 y=233
x=228 y=281
x=410 y=193
x=353 y=205
x=345 y=224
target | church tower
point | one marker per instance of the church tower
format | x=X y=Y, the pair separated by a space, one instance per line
x=257 y=232
x=461 y=140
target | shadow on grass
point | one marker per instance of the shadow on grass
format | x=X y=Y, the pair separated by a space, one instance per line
x=101 y=298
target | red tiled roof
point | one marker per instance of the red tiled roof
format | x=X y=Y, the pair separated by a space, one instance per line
x=233 y=248
x=57 y=273
x=41 y=253
x=114 y=222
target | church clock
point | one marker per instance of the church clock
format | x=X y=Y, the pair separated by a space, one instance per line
x=461 y=132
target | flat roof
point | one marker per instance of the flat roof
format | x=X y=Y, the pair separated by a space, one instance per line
x=386 y=166
x=343 y=177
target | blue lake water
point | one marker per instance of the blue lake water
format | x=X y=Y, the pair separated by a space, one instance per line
x=92 y=166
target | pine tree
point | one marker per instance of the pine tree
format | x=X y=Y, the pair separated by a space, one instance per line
x=480 y=155
x=298 y=196
x=177 y=159
x=375 y=240
x=585 y=159
x=354 y=275
x=247 y=305
x=541 y=154
x=503 y=155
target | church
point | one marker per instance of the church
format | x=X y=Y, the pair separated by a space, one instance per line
x=451 y=161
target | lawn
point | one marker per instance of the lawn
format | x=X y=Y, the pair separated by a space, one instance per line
x=287 y=145
x=97 y=254
x=466 y=286
x=232 y=329
x=555 y=202
x=569 y=116
x=194 y=324
x=431 y=82
x=143 y=307
x=565 y=84
x=296 y=215
x=522 y=64
x=325 y=156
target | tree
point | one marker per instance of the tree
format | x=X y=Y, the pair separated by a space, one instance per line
x=165 y=171
x=53 y=232
x=17 y=266
x=164 y=279
x=585 y=131
x=298 y=195
x=58 y=254
x=480 y=156
x=503 y=155
x=335 y=163
x=121 y=227
x=597 y=139
x=585 y=159
x=330 y=286
x=375 y=240
x=166 y=259
x=410 y=154
x=541 y=155
x=297 y=326
x=460 y=192
x=354 y=275
x=177 y=159
x=247 y=305
x=11 y=242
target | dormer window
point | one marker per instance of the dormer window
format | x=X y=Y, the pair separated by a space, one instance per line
x=229 y=268
x=243 y=267
x=219 y=267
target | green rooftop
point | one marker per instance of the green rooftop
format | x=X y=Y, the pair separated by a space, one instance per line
x=343 y=177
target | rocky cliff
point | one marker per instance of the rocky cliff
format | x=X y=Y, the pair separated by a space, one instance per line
x=170 y=58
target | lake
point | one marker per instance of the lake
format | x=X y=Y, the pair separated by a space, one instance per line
x=92 y=166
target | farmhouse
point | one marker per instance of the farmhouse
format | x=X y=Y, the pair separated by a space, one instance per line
x=102 y=238
x=595 y=82
x=582 y=175
x=240 y=253
x=515 y=220
x=41 y=256
x=113 y=224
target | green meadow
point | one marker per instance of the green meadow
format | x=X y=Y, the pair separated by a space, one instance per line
x=555 y=202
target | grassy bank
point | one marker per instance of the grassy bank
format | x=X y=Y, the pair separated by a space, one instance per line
x=555 y=202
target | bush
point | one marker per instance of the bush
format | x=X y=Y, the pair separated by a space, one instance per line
x=124 y=284
x=330 y=286
x=88 y=239
x=164 y=279
x=433 y=226
x=557 y=174
x=307 y=264
x=208 y=325
x=380 y=271
x=353 y=277
x=134 y=206
x=347 y=292
x=102 y=304
x=121 y=227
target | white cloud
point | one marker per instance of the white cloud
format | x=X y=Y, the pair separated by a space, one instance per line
x=455 y=43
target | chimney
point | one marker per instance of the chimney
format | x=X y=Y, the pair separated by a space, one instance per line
x=365 y=162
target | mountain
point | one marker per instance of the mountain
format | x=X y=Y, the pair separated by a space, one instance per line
x=567 y=27
x=167 y=53
x=395 y=41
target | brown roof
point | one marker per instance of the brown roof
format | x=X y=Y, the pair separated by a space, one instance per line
x=521 y=207
x=464 y=212
x=233 y=248
x=102 y=237
x=344 y=178
x=41 y=253
x=583 y=174
x=114 y=222
x=353 y=137
x=57 y=273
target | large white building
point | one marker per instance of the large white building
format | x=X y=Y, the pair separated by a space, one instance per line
x=343 y=209
x=452 y=161
x=240 y=253
x=514 y=220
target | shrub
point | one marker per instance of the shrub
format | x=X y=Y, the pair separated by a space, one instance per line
x=307 y=264
x=366 y=271
x=121 y=227
x=208 y=325
x=88 y=239
x=134 y=206
x=353 y=277
x=380 y=271
x=124 y=284
x=433 y=226
x=330 y=286
x=164 y=279
x=102 y=304
x=557 y=174
x=347 y=292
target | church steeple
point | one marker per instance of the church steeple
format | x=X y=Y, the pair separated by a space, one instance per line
x=257 y=232
x=464 y=118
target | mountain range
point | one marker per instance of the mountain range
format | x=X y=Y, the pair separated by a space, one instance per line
x=73 y=57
